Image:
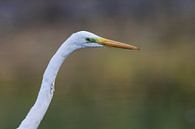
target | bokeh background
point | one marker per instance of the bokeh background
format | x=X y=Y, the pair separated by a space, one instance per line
x=100 y=88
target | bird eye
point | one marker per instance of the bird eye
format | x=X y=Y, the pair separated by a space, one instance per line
x=88 y=39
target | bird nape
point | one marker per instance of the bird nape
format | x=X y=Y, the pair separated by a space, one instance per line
x=81 y=39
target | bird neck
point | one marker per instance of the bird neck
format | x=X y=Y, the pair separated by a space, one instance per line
x=38 y=110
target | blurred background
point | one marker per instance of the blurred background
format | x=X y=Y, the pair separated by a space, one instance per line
x=100 y=88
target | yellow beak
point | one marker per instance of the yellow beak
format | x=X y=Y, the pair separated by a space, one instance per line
x=112 y=43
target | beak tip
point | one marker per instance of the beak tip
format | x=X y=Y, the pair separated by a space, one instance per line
x=137 y=48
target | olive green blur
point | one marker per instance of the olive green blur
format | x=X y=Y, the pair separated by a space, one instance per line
x=100 y=88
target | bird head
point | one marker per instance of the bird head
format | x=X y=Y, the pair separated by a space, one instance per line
x=84 y=39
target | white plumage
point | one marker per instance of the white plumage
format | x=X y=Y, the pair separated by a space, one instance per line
x=82 y=39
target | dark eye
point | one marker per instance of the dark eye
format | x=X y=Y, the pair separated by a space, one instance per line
x=92 y=40
x=88 y=39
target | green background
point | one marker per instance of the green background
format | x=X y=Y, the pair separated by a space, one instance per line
x=106 y=88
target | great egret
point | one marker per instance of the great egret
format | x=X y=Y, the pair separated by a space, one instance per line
x=81 y=39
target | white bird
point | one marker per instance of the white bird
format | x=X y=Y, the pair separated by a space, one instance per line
x=81 y=39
